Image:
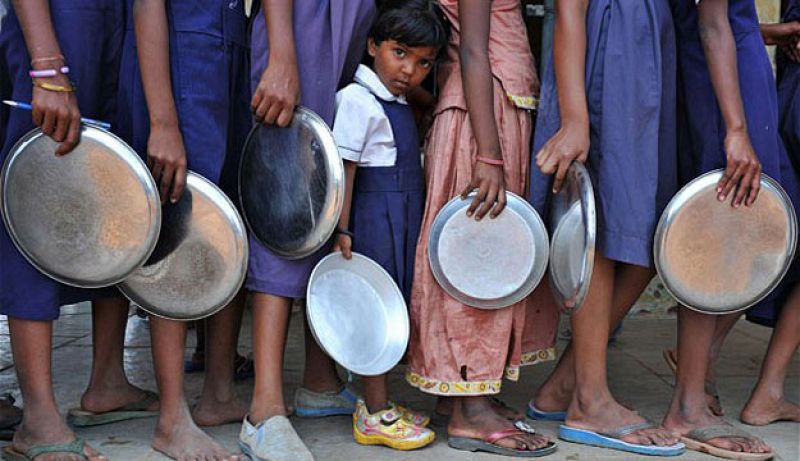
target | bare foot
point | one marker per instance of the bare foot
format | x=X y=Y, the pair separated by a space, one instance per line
x=760 y=411
x=444 y=406
x=101 y=400
x=216 y=413
x=604 y=415
x=184 y=441
x=682 y=422
x=39 y=435
x=712 y=396
x=473 y=417
x=553 y=396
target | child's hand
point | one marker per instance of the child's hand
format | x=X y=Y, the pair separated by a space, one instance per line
x=491 y=185
x=743 y=170
x=57 y=114
x=570 y=143
x=277 y=94
x=166 y=158
x=344 y=243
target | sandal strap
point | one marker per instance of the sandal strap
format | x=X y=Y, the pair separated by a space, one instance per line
x=628 y=429
x=704 y=434
x=494 y=437
x=75 y=447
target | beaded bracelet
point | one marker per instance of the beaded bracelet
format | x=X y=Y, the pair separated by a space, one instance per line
x=490 y=161
x=57 y=88
x=44 y=73
x=343 y=232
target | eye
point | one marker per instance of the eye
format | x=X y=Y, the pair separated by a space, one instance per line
x=425 y=64
x=399 y=52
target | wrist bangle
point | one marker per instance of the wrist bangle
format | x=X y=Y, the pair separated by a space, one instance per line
x=343 y=232
x=56 y=57
x=44 y=73
x=56 y=88
x=490 y=161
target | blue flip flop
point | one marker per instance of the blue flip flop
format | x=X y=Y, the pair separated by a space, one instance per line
x=541 y=415
x=612 y=440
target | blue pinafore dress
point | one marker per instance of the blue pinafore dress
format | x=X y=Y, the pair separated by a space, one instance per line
x=90 y=34
x=630 y=91
x=388 y=202
x=702 y=129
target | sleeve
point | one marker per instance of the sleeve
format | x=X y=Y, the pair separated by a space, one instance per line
x=350 y=124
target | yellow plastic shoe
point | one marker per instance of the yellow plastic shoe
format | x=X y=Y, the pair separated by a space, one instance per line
x=417 y=418
x=388 y=427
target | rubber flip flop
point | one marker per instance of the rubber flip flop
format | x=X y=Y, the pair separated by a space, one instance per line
x=541 y=415
x=612 y=440
x=75 y=447
x=697 y=440
x=489 y=445
x=78 y=417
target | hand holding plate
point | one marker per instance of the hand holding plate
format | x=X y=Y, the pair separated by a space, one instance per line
x=743 y=170
x=570 y=143
x=166 y=158
x=490 y=182
x=57 y=114
x=277 y=94
x=343 y=243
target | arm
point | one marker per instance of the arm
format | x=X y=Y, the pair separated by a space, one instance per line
x=743 y=168
x=786 y=36
x=571 y=141
x=476 y=75
x=344 y=242
x=56 y=113
x=278 y=91
x=166 y=155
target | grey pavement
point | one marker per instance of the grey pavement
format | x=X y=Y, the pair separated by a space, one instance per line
x=638 y=376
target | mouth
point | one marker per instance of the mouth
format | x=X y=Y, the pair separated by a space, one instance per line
x=400 y=84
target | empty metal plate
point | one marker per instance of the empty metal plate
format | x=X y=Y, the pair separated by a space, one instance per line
x=88 y=218
x=717 y=259
x=357 y=314
x=292 y=185
x=200 y=261
x=492 y=263
x=574 y=228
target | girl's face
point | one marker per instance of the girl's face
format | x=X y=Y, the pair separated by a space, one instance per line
x=401 y=67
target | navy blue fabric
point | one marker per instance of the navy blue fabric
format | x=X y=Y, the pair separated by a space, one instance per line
x=388 y=202
x=89 y=34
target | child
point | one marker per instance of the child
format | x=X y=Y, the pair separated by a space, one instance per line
x=42 y=35
x=190 y=84
x=302 y=52
x=479 y=139
x=377 y=138
x=608 y=102
x=733 y=123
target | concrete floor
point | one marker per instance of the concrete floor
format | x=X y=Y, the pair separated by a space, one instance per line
x=637 y=372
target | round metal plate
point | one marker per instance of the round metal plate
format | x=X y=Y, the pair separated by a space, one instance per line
x=357 y=314
x=574 y=228
x=200 y=261
x=292 y=185
x=87 y=219
x=716 y=259
x=492 y=263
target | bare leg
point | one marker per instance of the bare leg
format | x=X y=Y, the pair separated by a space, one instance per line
x=593 y=407
x=767 y=403
x=109 y=388
x=176 y=434
x=375 y=393
x=31 y=343
x=556 y=392
x=270 y=327
x=218 y=402
x=473 y=417
x=319 y=374
x=689 y=408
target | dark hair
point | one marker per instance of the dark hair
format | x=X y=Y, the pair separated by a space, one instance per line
x=412 y=23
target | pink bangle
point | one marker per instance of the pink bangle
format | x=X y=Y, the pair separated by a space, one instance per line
x=44 y=73
x=490 y=161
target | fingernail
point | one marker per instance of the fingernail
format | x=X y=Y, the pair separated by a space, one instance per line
x=721 y=198
x=719 y=189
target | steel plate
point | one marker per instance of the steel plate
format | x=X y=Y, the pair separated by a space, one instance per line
x=200 y=261
x=492 y=263
x=573 y=224
x=357 y=314
x=292 y=185
x=716 y=259
x=87 y=219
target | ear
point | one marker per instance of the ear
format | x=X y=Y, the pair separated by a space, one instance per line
x=372 y=47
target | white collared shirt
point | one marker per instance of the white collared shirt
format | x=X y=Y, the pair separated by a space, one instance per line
x=361 y=128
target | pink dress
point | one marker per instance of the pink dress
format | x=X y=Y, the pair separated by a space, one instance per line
x=455 y=349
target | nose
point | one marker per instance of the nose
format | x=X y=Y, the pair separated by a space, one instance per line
x=407 y=68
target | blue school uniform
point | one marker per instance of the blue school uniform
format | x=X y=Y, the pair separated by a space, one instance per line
x=630 y=90
x=702 y=133
x=388 y=202
x=209 y=68
x=89 y=34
